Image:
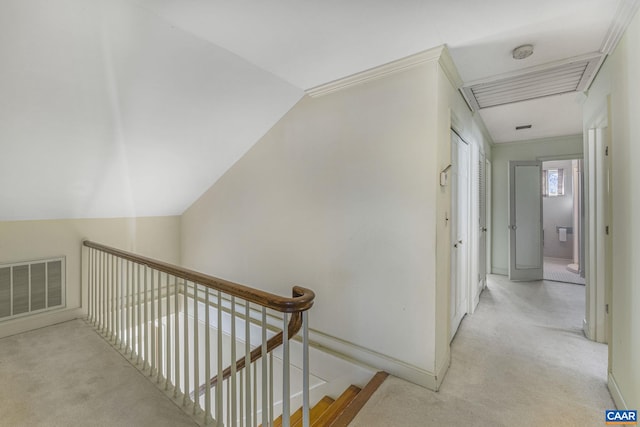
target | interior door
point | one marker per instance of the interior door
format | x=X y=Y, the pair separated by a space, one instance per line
x=459 y=231
x=482 y=221
x=525 y=220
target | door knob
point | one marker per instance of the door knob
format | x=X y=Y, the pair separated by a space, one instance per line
x=483 y=229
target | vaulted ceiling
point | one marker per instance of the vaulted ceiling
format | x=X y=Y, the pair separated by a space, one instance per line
x=135 y=107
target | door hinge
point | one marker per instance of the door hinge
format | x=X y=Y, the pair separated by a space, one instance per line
x=606 y=151
x=606 y=230
x=606 y=308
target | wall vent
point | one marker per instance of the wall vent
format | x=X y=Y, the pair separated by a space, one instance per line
x=31 y=287
x=572 y=75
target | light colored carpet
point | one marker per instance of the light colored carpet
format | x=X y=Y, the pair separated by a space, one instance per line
x=67 y=375
x=556 y=269
x=520 y=359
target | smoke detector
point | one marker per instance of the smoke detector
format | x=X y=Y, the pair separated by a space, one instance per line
x=522 y=52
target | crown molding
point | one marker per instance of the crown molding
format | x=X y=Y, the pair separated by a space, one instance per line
x=624 y=14
x=449 y=68
x=381 y=71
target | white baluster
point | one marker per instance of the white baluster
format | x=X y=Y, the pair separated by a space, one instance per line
x=196 y=351
x=247 y=362
x=234 y=390
x=229 y=398
x=305 y=368
x=117 y=308
x=159 y=346
x=167 y=348
x=176 y=340
x=105 y=294
x=109 y=297
x=207 y=358
x=286 y=413
x=271 y=405
x=129 y=305
x=127 y=314
x=241 y=398
x=153 y=324
x=138 y=318
x=112 y=301
x=220 y=378
x=186 y=343
x=89 y=283
x=255 y=394
x=147 y=322
x=265 y=411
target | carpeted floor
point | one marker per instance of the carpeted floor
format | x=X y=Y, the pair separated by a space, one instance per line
x=67 y=375
x=520 y=359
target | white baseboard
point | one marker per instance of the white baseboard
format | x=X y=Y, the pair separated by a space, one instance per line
x=501 y=271
x=29 y=323
x=379 y=361
x=615 y=393
x=441 y=370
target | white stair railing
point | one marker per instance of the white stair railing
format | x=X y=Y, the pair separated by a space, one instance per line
x=208 y=343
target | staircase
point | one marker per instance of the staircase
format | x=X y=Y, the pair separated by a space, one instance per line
x=341 y=411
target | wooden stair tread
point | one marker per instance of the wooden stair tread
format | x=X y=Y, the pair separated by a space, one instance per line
x=314 y=413
x=360 y=400
x=342 y=411
x=337 y=407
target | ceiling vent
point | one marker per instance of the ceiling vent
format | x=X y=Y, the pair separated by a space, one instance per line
x=572 y=75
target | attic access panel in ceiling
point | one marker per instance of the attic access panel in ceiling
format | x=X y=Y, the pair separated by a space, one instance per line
x=572 y=75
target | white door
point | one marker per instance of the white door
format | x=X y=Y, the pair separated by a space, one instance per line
x=482 y=222
x=459 y=232
x=525 y=220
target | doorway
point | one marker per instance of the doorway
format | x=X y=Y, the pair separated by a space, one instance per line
x=562 y=213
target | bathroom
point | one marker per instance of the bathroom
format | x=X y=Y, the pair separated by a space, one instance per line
x=561 y=201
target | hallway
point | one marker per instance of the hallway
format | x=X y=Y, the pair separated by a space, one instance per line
x=520 y=359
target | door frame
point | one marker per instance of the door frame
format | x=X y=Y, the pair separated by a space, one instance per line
x=489 y=219
x=598 y=197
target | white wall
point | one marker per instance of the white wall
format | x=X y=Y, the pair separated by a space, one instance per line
x=337 y=197
x=557 y=211
x=619 y=79
x=156 y=237
x=342 y=196
x=454 y=113
x=501 y=155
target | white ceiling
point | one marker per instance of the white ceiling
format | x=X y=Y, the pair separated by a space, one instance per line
x=553 y=116
x=136 y=107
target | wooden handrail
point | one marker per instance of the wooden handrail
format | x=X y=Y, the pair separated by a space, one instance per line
x=302 y=299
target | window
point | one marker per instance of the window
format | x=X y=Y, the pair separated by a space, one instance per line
x=553 y=182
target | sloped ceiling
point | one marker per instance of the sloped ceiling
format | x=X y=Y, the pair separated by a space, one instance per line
x=107 y=111
x=135 y=107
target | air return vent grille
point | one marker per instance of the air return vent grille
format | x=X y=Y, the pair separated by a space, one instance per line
x=552 y=79
x=31 y=287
